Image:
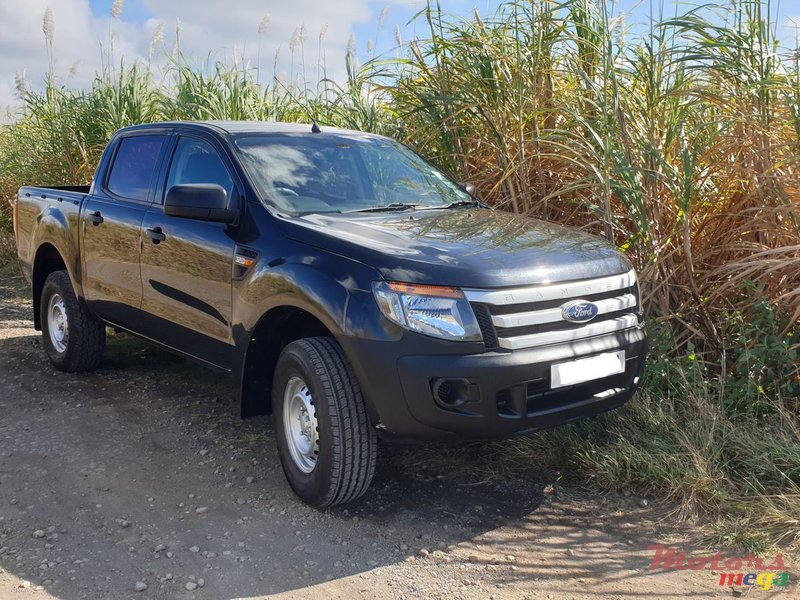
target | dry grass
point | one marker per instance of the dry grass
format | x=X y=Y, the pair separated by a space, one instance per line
x=8 y=253
x=738 y=485
x=681 y=144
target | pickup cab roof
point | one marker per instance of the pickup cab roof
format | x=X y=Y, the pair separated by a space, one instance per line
x=240 y=127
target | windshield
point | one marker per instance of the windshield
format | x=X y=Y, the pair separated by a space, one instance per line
x=314 y=173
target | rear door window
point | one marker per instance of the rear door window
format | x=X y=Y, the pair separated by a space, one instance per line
x=134 y=167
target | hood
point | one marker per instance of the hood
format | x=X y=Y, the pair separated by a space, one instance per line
x=461 y=247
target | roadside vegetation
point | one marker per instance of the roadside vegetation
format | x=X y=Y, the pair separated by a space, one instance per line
x=8 y=254
x=678 y=138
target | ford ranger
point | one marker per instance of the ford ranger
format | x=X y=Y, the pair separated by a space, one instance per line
x=353 y=289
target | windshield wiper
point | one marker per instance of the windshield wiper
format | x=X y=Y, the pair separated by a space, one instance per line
x=456 y=204
x=386 y=207
x=407 y=206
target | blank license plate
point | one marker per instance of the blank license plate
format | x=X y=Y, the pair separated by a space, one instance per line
x=587 y=369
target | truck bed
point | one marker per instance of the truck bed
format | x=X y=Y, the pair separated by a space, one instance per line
x=56 y=192
x=48 y=214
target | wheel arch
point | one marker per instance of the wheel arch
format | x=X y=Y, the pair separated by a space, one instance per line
x=48 y=259
x=278 y=327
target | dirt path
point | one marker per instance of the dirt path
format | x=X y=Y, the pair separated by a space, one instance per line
x=141 y=472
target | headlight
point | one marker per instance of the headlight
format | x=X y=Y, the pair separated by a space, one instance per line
x=434 y=310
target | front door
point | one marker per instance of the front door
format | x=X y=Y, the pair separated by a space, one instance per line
x=187 y=265
x=111 y=221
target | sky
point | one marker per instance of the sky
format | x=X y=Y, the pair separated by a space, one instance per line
x=223 y=29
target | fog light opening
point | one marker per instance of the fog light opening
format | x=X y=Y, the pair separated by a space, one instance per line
x=451 y=393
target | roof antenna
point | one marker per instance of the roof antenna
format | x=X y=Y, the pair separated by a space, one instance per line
x=315 y=128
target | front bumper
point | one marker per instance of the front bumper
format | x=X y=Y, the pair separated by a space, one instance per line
x=509 y=392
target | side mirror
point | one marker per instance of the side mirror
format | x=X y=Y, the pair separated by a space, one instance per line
x=201 y=201
x=467 y=187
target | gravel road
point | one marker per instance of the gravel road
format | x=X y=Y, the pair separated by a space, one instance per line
x=140 y=481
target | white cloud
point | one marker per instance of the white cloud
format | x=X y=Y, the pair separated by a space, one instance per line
x=792 y=29
x=223 y=28
x=22 y=43
x=212 y=26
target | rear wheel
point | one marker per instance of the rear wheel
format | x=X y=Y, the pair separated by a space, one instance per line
x=73 y=339
x=326 y=445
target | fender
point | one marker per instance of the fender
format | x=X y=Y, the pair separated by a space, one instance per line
x=296 y=284
x=52 y=242
x=53 y=228
x=318 y=287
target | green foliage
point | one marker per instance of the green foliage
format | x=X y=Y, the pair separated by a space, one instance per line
x=760 y=373
x=762 y=347
x=670 y=371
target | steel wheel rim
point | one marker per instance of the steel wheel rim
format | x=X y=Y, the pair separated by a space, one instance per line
x=57 y=323
x=300 y=425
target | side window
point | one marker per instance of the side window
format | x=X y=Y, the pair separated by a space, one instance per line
x=134 y=165
x=196 y=161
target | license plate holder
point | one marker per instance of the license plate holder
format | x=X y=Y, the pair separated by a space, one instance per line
x=587 y=369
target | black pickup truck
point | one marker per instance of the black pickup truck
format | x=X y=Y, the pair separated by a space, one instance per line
x=354 y=289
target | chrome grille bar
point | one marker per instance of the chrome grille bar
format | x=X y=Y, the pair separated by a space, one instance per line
x=567 y=335
x=554 y=315
x=543 y=293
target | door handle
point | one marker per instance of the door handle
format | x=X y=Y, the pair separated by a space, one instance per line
x=96 y=218
x=155 y=235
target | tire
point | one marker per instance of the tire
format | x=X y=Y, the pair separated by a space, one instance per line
x=73 y=338
x=329 y=454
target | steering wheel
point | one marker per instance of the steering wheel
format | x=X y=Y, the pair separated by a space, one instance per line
x=286 y=190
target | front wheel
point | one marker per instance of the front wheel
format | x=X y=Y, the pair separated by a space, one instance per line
x=73 y=338
x=326 y=445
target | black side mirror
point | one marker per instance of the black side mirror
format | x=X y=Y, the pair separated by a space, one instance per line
x=201 y=201
x=467 y=187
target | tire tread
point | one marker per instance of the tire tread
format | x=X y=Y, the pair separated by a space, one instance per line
x=354 y=441
x=87 y=335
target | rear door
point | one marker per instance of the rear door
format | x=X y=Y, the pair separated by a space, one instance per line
x=187 y=265
x=111 y=221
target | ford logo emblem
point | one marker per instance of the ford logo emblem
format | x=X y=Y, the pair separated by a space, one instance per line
x=579 y=311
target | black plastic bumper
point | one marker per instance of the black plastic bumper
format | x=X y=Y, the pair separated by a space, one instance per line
x=507 y=392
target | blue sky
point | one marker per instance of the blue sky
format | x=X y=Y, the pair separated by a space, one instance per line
x=400 y=13
x=228 y=28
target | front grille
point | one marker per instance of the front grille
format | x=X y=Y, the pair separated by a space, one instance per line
x=525 y=317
